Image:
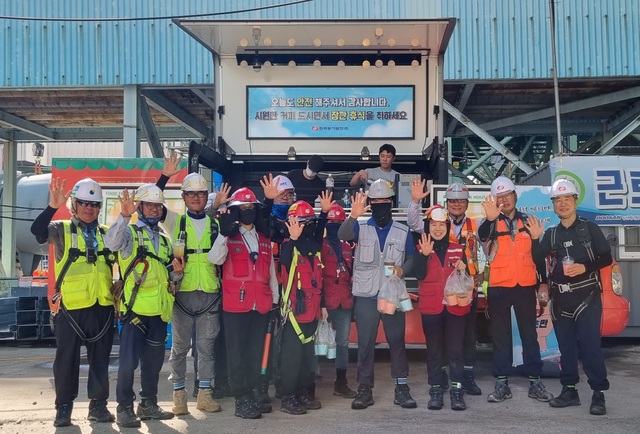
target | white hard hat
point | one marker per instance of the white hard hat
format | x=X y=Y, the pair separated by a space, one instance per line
x=194 y=182
x=150 y=193
x=502 y=184
x=283 y=183
x=380 y=189
x=563 y=187
x=457 y=191
x=87 y=189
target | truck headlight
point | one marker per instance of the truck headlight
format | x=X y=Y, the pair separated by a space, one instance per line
x=616 y=280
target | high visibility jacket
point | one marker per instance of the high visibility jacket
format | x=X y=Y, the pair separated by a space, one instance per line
x=245 y=285
x=513 y=263
x=84 y=284
x=431 y=288
x=469 y=241
x=199 y=273
x=337 y=277
x=153 y=296
x=307 y=281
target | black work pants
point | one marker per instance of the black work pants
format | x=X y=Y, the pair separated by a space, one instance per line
x=470 y=349
x=66 y=366
x=523 y=301
x=220 y=353
x=367 y=321
x=581 y=336
x=244 y=335
x=444 y=334
x=296 y=359
x=143 y=344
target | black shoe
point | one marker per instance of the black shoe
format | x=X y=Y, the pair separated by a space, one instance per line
x=403 y=397
x=221 y=388
x=364 y=398
x=469 y=384
x=246 y=409
x=291 y=405
x=437 y=399
x=597 y=404
x=457 y=399
x=539 y=392
x=568 y=397
x=308 y=401
x=98 y=412
x=149 y=409
x=63 y=415
x=262 y=393
x=126 y=418
x=501 y=392
x=340 y=388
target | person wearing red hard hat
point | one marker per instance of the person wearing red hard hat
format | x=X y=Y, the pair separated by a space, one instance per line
x=249 y=293
x=578 y=250
x=513 y=282
x=443 y=326
x=337 y=257
x=302 y=305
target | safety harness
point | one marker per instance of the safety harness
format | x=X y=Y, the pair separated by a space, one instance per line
x=469 y=244
x=73 y=254
x=492 y=243
x=287 y=312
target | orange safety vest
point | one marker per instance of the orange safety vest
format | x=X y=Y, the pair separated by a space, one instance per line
x=513 y=263
x=469 y=241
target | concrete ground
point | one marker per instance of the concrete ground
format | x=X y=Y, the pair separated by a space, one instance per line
x=27 y=396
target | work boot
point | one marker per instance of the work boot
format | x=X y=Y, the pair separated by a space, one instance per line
x=308 y=401
x=364 y=398
x=262 y=393
x=597 y=404
x=469 y=384
x=262 y=408
x=221 y=388
x=501 y=392
x=180 y=402
x=340 y=388
x=437 y=400
x=291 y=405
x=403 y=397
x=149 y=409
x=539 y=392
x=63 y=415
x=205 y=401
x=568 y=397
x=126 y=418
x=245 y=408
x=98 y=412
x=457 y=399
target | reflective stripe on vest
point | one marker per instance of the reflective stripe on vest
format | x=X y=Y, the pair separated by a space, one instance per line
x=198 y=272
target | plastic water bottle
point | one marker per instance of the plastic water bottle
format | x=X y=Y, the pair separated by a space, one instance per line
x=346 y=198
x=329 y=183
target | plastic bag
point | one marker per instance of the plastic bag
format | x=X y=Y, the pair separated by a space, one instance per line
x=322 y=338
x=331 y=346
x=458 y=283
x=392 y=291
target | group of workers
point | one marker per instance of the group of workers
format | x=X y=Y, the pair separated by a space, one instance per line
x=234 y=267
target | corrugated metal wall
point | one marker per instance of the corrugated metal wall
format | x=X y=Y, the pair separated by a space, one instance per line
x=510 y=39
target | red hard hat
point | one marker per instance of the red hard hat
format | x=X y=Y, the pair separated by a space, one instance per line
x=242 y=196
x=302 y=210
x=336 y=213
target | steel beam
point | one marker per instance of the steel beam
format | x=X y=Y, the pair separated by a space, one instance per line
x=462 y=103
x=25 y=125
x=623 y=116
x=9 y=157
x=630 y=128
x=203 y=96
x=475 y=152
x=149 y=128
x=130 y=130
x=164 y=105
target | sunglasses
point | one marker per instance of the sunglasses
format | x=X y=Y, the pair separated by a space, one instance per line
x=86 y=203
x=192 y=194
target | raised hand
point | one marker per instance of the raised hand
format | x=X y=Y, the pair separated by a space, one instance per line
x=426 y=244
x=417 y=189
x=270 y=186
x=294 y=227
x=222 y=196
x=171 y=163
x=534 y=226
x=491 y=210
x=326 y=200
x=127 y=205
x=57 y=196
x=358 y=203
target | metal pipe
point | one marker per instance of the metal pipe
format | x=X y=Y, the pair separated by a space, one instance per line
x=556 y=94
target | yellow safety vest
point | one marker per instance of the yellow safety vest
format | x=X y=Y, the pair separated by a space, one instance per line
x=198 y=272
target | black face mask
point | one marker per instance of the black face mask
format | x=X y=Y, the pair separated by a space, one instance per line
x=247 y=216
x=309 y=230
x=381 y=213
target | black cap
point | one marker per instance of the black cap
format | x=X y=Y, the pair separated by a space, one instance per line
x=316 y=163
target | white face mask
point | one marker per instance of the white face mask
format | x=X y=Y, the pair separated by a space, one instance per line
x=310 y=173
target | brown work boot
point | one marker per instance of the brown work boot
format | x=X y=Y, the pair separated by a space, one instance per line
x=180 y=402
x=205 y=401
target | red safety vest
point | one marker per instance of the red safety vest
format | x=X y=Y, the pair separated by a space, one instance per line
x=512 y=264
x=337 y=279
x=304 y=277
x=245 y=285
x=431 y=288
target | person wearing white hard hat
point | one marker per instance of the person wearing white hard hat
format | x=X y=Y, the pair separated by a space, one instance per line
x=82 y=304
x=384 y=251
x=578 y=250
x=513 y=281
x=147 y=267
